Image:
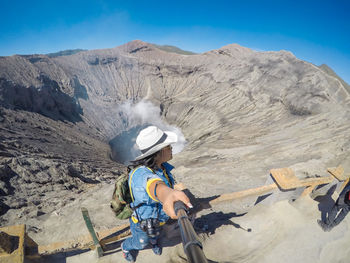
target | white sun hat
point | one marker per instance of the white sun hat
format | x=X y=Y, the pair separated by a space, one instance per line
x=152 y=139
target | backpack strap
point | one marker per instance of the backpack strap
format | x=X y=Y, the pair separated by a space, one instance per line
x=137 y=219
x=132 y=196
x=167 y=177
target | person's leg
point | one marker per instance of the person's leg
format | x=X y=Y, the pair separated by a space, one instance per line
x=139 y=240
x=155 y=240
x=157 y=249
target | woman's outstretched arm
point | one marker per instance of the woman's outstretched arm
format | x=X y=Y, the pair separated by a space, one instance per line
x=167 y=196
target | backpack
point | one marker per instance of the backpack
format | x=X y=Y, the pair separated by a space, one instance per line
x=122 y=196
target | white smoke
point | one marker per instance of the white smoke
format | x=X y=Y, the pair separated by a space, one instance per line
x=135 y=118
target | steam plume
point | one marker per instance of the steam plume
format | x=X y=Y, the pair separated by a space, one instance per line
x=136 y=117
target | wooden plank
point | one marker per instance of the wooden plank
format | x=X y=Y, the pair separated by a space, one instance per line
x=244 y=193
x=17 y=256
x=308 y=190
x=345 y=183
x=285 y=178
x=338 y=173
x=107 y=232
x=115 y=238
x=315 y=181
x=82 y=242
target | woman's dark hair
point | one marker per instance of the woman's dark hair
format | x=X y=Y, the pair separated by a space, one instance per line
x=148 y=161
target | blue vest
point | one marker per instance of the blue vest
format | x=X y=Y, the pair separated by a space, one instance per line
x=139 y=179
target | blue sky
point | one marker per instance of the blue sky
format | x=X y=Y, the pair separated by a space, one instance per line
x=315 y=31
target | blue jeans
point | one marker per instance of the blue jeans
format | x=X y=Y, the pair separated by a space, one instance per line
x=139 y=239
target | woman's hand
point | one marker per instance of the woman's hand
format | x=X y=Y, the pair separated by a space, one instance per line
x=171 y=198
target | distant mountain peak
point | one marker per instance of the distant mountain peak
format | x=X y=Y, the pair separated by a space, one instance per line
x=236 y=46
x=173 y=49
x=325 y=68
x=139 y=45
x=67 y=52
x=135 y=46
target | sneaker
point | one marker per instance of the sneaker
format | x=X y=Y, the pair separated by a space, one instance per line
x=157 y=249
x=323 y=225
x=127 y=255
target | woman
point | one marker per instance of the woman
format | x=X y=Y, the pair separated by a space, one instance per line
x=151 y=187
